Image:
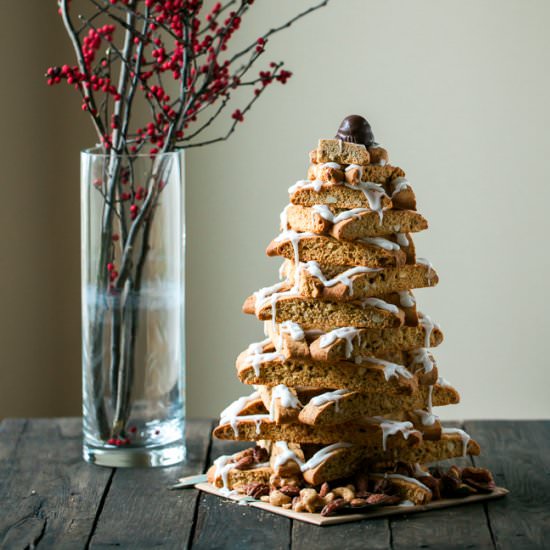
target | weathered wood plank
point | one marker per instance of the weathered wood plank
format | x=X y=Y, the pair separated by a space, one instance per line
x=222 y=524
x=51 y=495
x=372 y=534
x=449 y=528
x=141 y=512
x=518 y=454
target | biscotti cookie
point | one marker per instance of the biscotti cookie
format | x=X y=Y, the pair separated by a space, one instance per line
x=353 y=174
x=369 y=195
x=336 y=407
x=370 y=377
x=370 y=252
x=281 y=402
x=453 y=443
x=350 y=225
x=342 y=152
x=344 y=283
x=343 y=344
x=376 y=434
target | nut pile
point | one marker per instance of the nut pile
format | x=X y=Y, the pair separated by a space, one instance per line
x=362 y=492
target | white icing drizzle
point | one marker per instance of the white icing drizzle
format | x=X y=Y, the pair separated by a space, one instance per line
x=326 y=213
x=257 y=348
x=463 y=435
x=230 y=415
x=399 y=184
x=223 y=466
x=391 y=427
x=390 y=369
x=287 y=398
x=421 y=356
x=406 y=298
x=271 y=294
x=284 y=218
x=402 y=239
x=316 y=185
x=373 y=192
x=323 y=454
x=380 y=242
x=381 y=304
x=294 y=330
x=355 y=167
x=345 y=333
x=328 y=397
x=429 y=325
x=284 y=456
x=256 y=359
x=444 y=383
x=419 y=472
x=345 y=278
x=334 y=165
x=426 y=262
x=427 y=418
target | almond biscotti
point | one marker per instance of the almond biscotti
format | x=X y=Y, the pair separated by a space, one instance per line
x=370 y=252
x=369 y=195
x=377 y=434
x=345 y=382
x=350 y=225
x=272 y=369
x=341 y=344
x=337 y=407
x=342 y=152
x=344 y=283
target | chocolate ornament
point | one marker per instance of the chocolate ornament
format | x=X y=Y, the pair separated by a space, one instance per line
x=356 y=129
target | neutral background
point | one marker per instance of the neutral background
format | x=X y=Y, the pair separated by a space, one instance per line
x=458 y=93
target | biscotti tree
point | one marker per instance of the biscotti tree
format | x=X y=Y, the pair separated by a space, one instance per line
x=345 y=382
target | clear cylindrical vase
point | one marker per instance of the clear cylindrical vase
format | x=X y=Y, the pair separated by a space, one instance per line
x=133 y=308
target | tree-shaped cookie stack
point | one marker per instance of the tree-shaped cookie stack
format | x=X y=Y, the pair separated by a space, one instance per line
x=344 y=382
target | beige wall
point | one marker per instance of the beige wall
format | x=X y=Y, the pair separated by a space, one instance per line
x=456 y=90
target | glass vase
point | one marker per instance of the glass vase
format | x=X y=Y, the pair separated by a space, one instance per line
x=133 y=308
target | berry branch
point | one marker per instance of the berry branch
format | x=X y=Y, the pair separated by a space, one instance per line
x=126 y=50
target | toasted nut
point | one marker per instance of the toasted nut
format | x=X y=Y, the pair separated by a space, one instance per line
x=290 y=490
x=265 y=498
x=278 y=499
x=333 y=507
x=325 y=488
x=344 y=492
x=310 y=499
x=255 y=490
x=260 y=454
x=383 y=500
x=329 y=497
x=245 y=463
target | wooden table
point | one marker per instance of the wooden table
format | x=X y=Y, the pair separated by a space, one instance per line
x=50 y=498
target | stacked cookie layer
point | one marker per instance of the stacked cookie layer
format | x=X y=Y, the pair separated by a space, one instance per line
x=344 y=380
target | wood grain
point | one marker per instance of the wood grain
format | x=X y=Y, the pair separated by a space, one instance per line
x=518 y=454
x=49 y=495
x=222 y=524
x=348 y=536
x=141 y=512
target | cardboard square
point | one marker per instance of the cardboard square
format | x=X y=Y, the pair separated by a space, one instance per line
x=317 y=519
